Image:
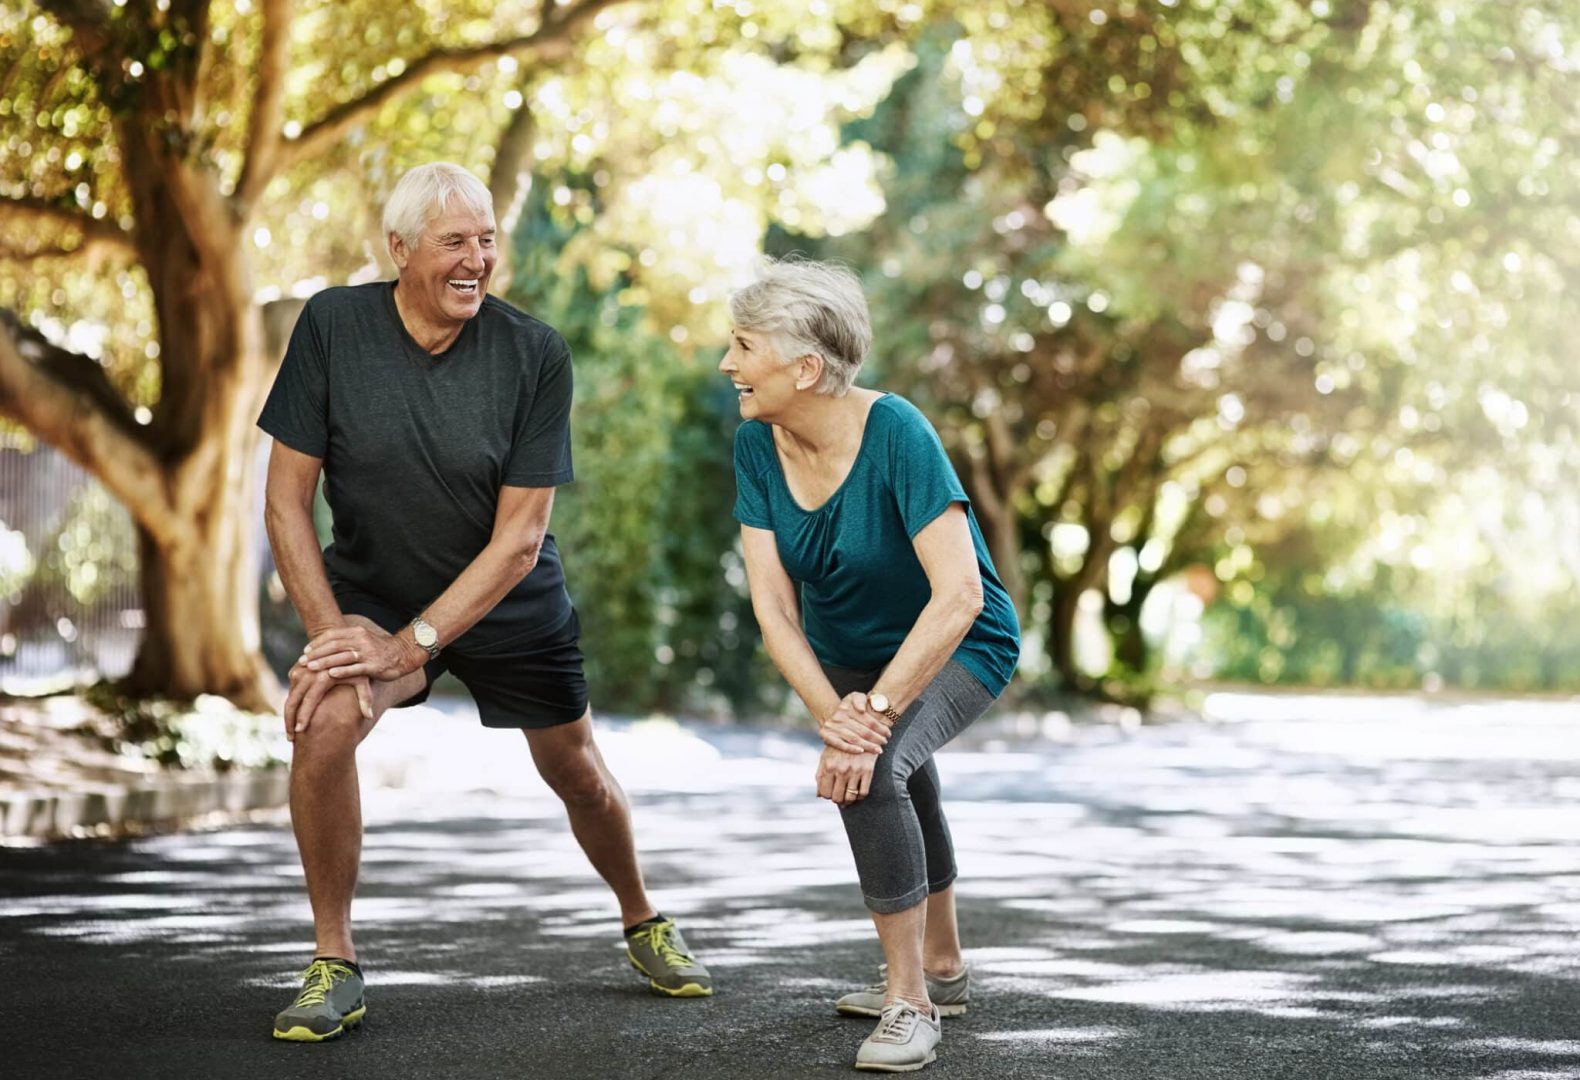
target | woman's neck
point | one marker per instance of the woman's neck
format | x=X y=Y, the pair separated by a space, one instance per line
x=826 y=425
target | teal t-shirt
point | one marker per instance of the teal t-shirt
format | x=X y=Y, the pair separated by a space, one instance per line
x=862 y=586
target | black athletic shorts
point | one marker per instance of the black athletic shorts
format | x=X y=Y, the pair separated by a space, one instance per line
x=523 y=682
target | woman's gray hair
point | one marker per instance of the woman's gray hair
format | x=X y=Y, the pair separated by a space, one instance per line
x=424 y=193
x=807 y=306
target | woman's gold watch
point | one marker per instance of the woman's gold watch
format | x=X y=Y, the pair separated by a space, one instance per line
x=880 y=703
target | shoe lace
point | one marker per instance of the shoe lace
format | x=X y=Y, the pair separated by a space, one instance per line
x=658 y=938
x=898 y=1022
x=320 y=978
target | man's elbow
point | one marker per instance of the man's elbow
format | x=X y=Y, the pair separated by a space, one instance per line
x=280 y=509
x=524 y=557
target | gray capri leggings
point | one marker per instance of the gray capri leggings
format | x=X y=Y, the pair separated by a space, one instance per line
x=898 y=833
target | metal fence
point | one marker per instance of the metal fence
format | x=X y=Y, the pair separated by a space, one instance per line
x=69 y=604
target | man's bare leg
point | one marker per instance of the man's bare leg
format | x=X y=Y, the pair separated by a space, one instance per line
x=326 y=804
x=569 y=762
x=568 y=759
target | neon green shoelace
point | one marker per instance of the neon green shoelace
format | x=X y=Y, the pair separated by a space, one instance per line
x=321 y=978
x=657 y=938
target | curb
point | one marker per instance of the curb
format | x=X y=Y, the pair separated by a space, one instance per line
x=163 y=802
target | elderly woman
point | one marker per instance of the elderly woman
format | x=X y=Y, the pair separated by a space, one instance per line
x=879 y=604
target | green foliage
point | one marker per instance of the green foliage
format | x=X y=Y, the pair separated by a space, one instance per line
x=1272 y=287
x=94 y=551
x=208 y=733
x=645 y=532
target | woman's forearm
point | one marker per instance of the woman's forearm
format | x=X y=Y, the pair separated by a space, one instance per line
x=937 y=633
x=792 y=654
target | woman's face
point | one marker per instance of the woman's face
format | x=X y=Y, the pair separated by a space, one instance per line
x=763 y=382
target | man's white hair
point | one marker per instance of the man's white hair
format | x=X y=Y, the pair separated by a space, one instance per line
x=805 y=306
x=425 y=192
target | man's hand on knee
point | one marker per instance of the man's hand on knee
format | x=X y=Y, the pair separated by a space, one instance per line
x=355 y=651
x=308 y=689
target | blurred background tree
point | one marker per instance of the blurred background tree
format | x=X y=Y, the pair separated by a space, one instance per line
x=1252 y=307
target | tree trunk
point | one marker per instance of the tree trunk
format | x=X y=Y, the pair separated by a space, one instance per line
x=198 y=547
x=995 y=514
x=1061 y=635
x=200 y=558
x=200 y=597
x=1123 y=622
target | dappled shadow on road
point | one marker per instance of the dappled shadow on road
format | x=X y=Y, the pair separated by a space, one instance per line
x=1236 y=901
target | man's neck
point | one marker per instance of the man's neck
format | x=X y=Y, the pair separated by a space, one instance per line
x=431 y=335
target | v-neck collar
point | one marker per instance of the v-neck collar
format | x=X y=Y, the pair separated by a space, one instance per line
x=855 y=463
x=415 y=351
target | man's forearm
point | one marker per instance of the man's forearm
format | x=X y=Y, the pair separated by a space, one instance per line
x=300 y=563
x=498 y=568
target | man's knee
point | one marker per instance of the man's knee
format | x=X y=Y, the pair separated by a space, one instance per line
x=335 y=727
x=575 y=778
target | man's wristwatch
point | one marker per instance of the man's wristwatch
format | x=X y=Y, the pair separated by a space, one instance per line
x=880 y=703
x=426 y=637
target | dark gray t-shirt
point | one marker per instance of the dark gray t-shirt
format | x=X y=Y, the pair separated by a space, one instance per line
x=416 y=447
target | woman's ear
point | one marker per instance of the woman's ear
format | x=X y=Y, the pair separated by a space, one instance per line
x=809 y=371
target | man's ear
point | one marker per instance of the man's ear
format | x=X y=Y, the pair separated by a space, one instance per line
x=809 y=371
x=400 y=254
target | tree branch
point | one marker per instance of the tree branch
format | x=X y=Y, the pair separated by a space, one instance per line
x=510 y=179
x=88 y=21
x=552 y=40
x=65 y=399
x=264 y=137
x=95 y=232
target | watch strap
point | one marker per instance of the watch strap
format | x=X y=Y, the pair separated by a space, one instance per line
x=431 y=650
x=891 y=712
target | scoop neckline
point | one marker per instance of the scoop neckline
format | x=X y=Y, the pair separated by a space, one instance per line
x=861 y=451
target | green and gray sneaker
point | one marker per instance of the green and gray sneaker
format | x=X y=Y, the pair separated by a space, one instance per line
x=950 y=995
x=330 y=1002
x=657 y=949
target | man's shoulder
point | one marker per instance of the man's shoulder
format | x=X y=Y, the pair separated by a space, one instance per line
x=346 y=298
x=503 y=317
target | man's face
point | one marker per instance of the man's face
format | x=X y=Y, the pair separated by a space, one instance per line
x=447 y=270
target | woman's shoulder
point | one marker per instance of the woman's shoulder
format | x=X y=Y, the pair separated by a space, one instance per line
x=900 y=421
x=753 y=441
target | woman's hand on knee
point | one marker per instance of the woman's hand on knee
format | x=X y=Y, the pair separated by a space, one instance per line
x=853 y=728
x=844 y=778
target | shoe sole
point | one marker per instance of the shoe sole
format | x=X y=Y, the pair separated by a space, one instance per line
x=872 y=1066
x=351 y=1020
x=685 y=990
x=873 y=1014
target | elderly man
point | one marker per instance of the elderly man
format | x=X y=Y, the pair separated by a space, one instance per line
x=439 y=416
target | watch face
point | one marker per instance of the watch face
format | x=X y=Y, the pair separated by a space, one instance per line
x=426 y=635
x=878 y=702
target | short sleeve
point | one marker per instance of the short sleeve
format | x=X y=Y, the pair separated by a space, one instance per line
x=751 y=493
x=297 y=410
x=540 y=453
x=923 y=480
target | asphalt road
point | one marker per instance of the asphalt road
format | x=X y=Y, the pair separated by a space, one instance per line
x=1322 y=888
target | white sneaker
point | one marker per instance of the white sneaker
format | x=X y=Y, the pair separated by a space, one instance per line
x=950 y=996
x=904 y=1040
